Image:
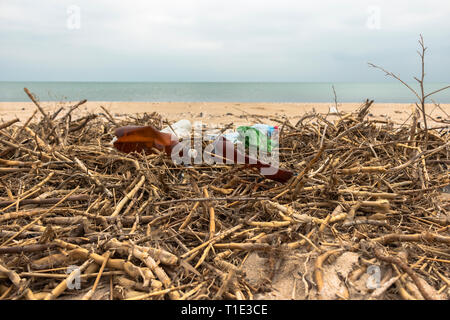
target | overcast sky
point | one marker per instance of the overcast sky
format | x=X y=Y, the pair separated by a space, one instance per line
x=211 y=40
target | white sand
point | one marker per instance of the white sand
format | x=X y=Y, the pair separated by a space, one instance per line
x=220 y=112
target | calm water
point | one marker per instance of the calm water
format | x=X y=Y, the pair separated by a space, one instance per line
x=215 y=91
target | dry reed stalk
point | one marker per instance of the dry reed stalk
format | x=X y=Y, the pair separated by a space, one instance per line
x=90 y=293
x=212 y=216
x=19 y=283
x=318 y=268
x=63 y=285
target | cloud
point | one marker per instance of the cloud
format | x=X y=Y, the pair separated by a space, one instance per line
x=199 y=40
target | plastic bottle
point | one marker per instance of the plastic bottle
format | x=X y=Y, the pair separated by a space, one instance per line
x=266 y=129
x=181 y=129
x=271 y=132
x=258 y=135
x=230 y=136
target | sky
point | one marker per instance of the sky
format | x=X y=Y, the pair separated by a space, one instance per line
x=212 y=40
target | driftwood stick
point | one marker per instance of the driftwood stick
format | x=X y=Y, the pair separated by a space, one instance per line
x=9 y=123
x=19 y=283
x=81 y=197
x=73 y=108
x=31 y=96
x=394 y=260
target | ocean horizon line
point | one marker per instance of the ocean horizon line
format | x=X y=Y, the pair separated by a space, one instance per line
x=388 y=81
x=281 y=92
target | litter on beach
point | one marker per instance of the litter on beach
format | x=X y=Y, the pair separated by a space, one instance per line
x=352 y=196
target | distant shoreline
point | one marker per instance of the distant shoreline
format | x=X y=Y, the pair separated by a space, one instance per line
x=220 y=112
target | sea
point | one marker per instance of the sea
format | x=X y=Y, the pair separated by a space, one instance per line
x=393 y=92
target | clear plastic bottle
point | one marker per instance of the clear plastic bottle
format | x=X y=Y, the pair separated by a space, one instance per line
x=266 y=129
x=181 y=129
x=262 y=136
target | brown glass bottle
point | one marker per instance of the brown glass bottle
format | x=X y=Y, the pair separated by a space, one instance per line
x=143 y=138
x=226 y=150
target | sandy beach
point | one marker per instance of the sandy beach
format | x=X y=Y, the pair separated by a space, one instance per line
x=152 y=200
x=222 y=112
x=219 y=151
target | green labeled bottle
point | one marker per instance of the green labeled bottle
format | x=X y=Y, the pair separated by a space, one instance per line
x=258 y=135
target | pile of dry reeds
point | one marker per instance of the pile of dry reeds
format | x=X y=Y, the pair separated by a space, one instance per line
x=140 y=227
